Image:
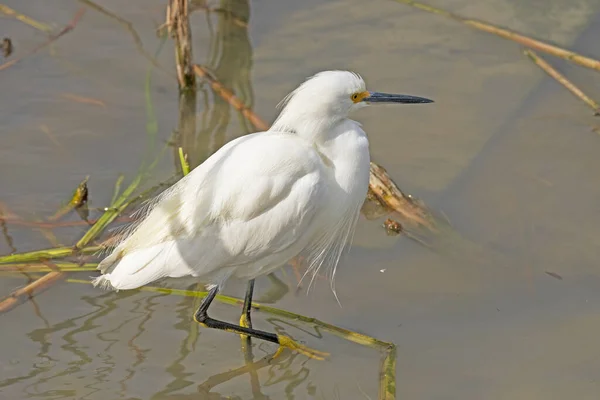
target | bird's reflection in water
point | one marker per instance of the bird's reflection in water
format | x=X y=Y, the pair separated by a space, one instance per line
x=278 y=371
x=286 y=369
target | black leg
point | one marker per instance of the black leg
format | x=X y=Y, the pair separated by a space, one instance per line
x=201 y=316
x=245 y=319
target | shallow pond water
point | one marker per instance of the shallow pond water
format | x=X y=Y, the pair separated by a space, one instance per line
x=504 y=305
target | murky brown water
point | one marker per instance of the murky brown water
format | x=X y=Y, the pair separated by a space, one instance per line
x=505 y=152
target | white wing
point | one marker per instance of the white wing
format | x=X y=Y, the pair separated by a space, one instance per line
x=250 y=205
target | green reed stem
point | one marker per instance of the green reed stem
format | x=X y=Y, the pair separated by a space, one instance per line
x=48 y=254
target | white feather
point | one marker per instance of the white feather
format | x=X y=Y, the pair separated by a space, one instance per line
x=260 y=200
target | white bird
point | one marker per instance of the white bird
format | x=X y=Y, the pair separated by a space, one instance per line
x=260 y=201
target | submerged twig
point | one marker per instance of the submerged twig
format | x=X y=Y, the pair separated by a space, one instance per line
x=230 y=97
x=387 y=380
x=83 y=99
x=24 y=18
x=117 y=189
x=9 y=240
x=51 y=39
x=540 y=62
x=230 y=14
x=511 y=35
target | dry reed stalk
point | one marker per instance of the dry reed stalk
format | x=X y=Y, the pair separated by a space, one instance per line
x=540 y=62
x=383 y=188
x=51 y=39
x=381 y=185
x=178 y=24
x=510 y=35
x=19 y=296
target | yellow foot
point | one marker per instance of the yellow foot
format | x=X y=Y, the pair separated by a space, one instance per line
x=287 y=342
x=244 y=323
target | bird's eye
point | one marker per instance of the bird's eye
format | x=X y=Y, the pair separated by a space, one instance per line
x=359 y=96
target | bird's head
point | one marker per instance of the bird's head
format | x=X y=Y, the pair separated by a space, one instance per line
x=334 y=95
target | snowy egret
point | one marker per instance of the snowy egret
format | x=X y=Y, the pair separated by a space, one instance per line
x=259 y=201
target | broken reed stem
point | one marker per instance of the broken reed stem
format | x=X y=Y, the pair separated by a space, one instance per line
x=387 y=192
x=79 y=198
x=540 y=62
x=388 y=371
x=19 y=296
x=178 y=23
x=510 y=35
x=51 y=39
x=24 y=18
x=381 y=184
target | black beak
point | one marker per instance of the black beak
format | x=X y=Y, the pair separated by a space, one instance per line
x=376 y=97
